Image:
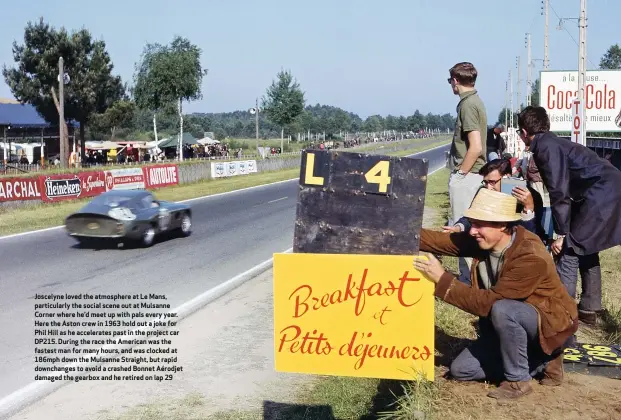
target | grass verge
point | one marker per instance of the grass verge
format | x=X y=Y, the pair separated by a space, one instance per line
x=44 y=215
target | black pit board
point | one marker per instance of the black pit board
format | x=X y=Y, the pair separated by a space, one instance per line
x=594 y=359
x=342 y=211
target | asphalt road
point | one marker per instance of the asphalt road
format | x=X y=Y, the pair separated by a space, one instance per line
x=231 y=234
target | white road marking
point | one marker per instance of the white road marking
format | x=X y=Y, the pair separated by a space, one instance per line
x=204 y=197
x=278 y=199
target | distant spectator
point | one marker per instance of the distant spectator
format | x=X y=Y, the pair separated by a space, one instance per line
x=495 y=143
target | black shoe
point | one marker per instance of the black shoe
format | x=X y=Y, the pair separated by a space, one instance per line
x=588 y=317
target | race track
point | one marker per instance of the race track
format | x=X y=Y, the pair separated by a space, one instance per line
x=231 y=233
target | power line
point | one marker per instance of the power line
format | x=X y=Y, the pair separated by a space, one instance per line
x=569 y=33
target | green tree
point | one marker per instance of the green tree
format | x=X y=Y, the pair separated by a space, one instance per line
x=169 y=74
x=612 y=59
x=284 y=101
x=92 y=87
x=121 y=113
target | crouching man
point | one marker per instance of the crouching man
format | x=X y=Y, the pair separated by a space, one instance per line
x=526 y=313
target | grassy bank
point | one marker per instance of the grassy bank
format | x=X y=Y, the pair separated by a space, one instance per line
x=43 y=215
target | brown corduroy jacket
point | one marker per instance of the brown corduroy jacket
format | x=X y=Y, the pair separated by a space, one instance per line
x=528 y=274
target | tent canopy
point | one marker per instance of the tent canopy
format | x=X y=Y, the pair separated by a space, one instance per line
x=207 y=140
x=188 y=140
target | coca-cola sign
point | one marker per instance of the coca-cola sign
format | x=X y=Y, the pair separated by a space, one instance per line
x=602 y=99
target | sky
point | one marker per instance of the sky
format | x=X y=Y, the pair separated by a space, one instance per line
x=367 y=57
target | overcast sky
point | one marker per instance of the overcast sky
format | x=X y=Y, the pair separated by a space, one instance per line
x=368 y=57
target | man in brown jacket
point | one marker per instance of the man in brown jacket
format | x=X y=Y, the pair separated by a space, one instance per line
x=526 y=313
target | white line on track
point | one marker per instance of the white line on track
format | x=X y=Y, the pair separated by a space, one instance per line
x=204 y=197
x=278 y=199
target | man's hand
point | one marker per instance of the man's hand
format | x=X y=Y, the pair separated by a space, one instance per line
x=451 y=229
x=430 y=267
x=524 y=196
x=557 y=246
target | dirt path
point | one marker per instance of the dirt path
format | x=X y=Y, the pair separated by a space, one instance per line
x=581 y=397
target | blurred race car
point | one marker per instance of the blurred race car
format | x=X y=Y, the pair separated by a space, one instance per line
x=134 y=215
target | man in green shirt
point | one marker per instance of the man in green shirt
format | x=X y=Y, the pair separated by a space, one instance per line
x=468 y=151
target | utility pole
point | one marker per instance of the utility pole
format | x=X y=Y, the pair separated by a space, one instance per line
x=582 y=69
x=511 y=98
x=528 y=71
x=546 y=61
x=507 y=104
x=256 y=121
x=61 y=112
x=519 y=84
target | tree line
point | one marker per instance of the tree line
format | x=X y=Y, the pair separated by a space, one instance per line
x=316 y=119
x=166 y=77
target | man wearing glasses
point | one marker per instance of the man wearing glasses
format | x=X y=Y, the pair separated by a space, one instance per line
x=493 y=172
x=468 y=149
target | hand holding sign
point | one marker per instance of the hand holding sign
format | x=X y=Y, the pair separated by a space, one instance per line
x=429 y=265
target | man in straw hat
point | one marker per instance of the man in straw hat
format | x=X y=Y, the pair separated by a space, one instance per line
x=526 y=314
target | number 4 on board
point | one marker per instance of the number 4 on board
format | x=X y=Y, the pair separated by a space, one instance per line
x=378 y=174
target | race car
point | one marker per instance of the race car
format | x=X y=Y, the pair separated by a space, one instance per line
x=128 y=215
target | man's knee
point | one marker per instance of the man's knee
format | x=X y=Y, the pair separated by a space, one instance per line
x=464 y=369
x=502 y=311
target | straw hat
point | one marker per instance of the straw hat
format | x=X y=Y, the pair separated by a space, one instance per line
x=493 y=206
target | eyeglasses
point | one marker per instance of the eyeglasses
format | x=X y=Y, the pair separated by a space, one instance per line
x=449 y=80
x=491 y=182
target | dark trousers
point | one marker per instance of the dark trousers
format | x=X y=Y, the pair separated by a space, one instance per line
x=568 y=264
x=507 y=348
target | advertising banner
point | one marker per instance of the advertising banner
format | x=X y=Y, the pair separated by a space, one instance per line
x=18 y=189
x=161 y=176
x=72 y=186
x=383 y=308
x=602 y=96
x=58 y=187
x=234 y=168
x=125 y=179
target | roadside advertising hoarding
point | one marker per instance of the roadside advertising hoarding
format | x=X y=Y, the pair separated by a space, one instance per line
x=602 y=101
x=72 y=186
x=233 y=168
x=20 y=188
x=158 y=176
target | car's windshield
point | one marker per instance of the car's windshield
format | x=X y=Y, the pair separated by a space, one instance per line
x=113 y=200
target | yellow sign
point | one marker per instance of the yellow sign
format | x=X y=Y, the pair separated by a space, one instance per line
x=353 y=315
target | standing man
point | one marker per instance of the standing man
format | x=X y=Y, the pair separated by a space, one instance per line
x=585 y=196
x=468 y=149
